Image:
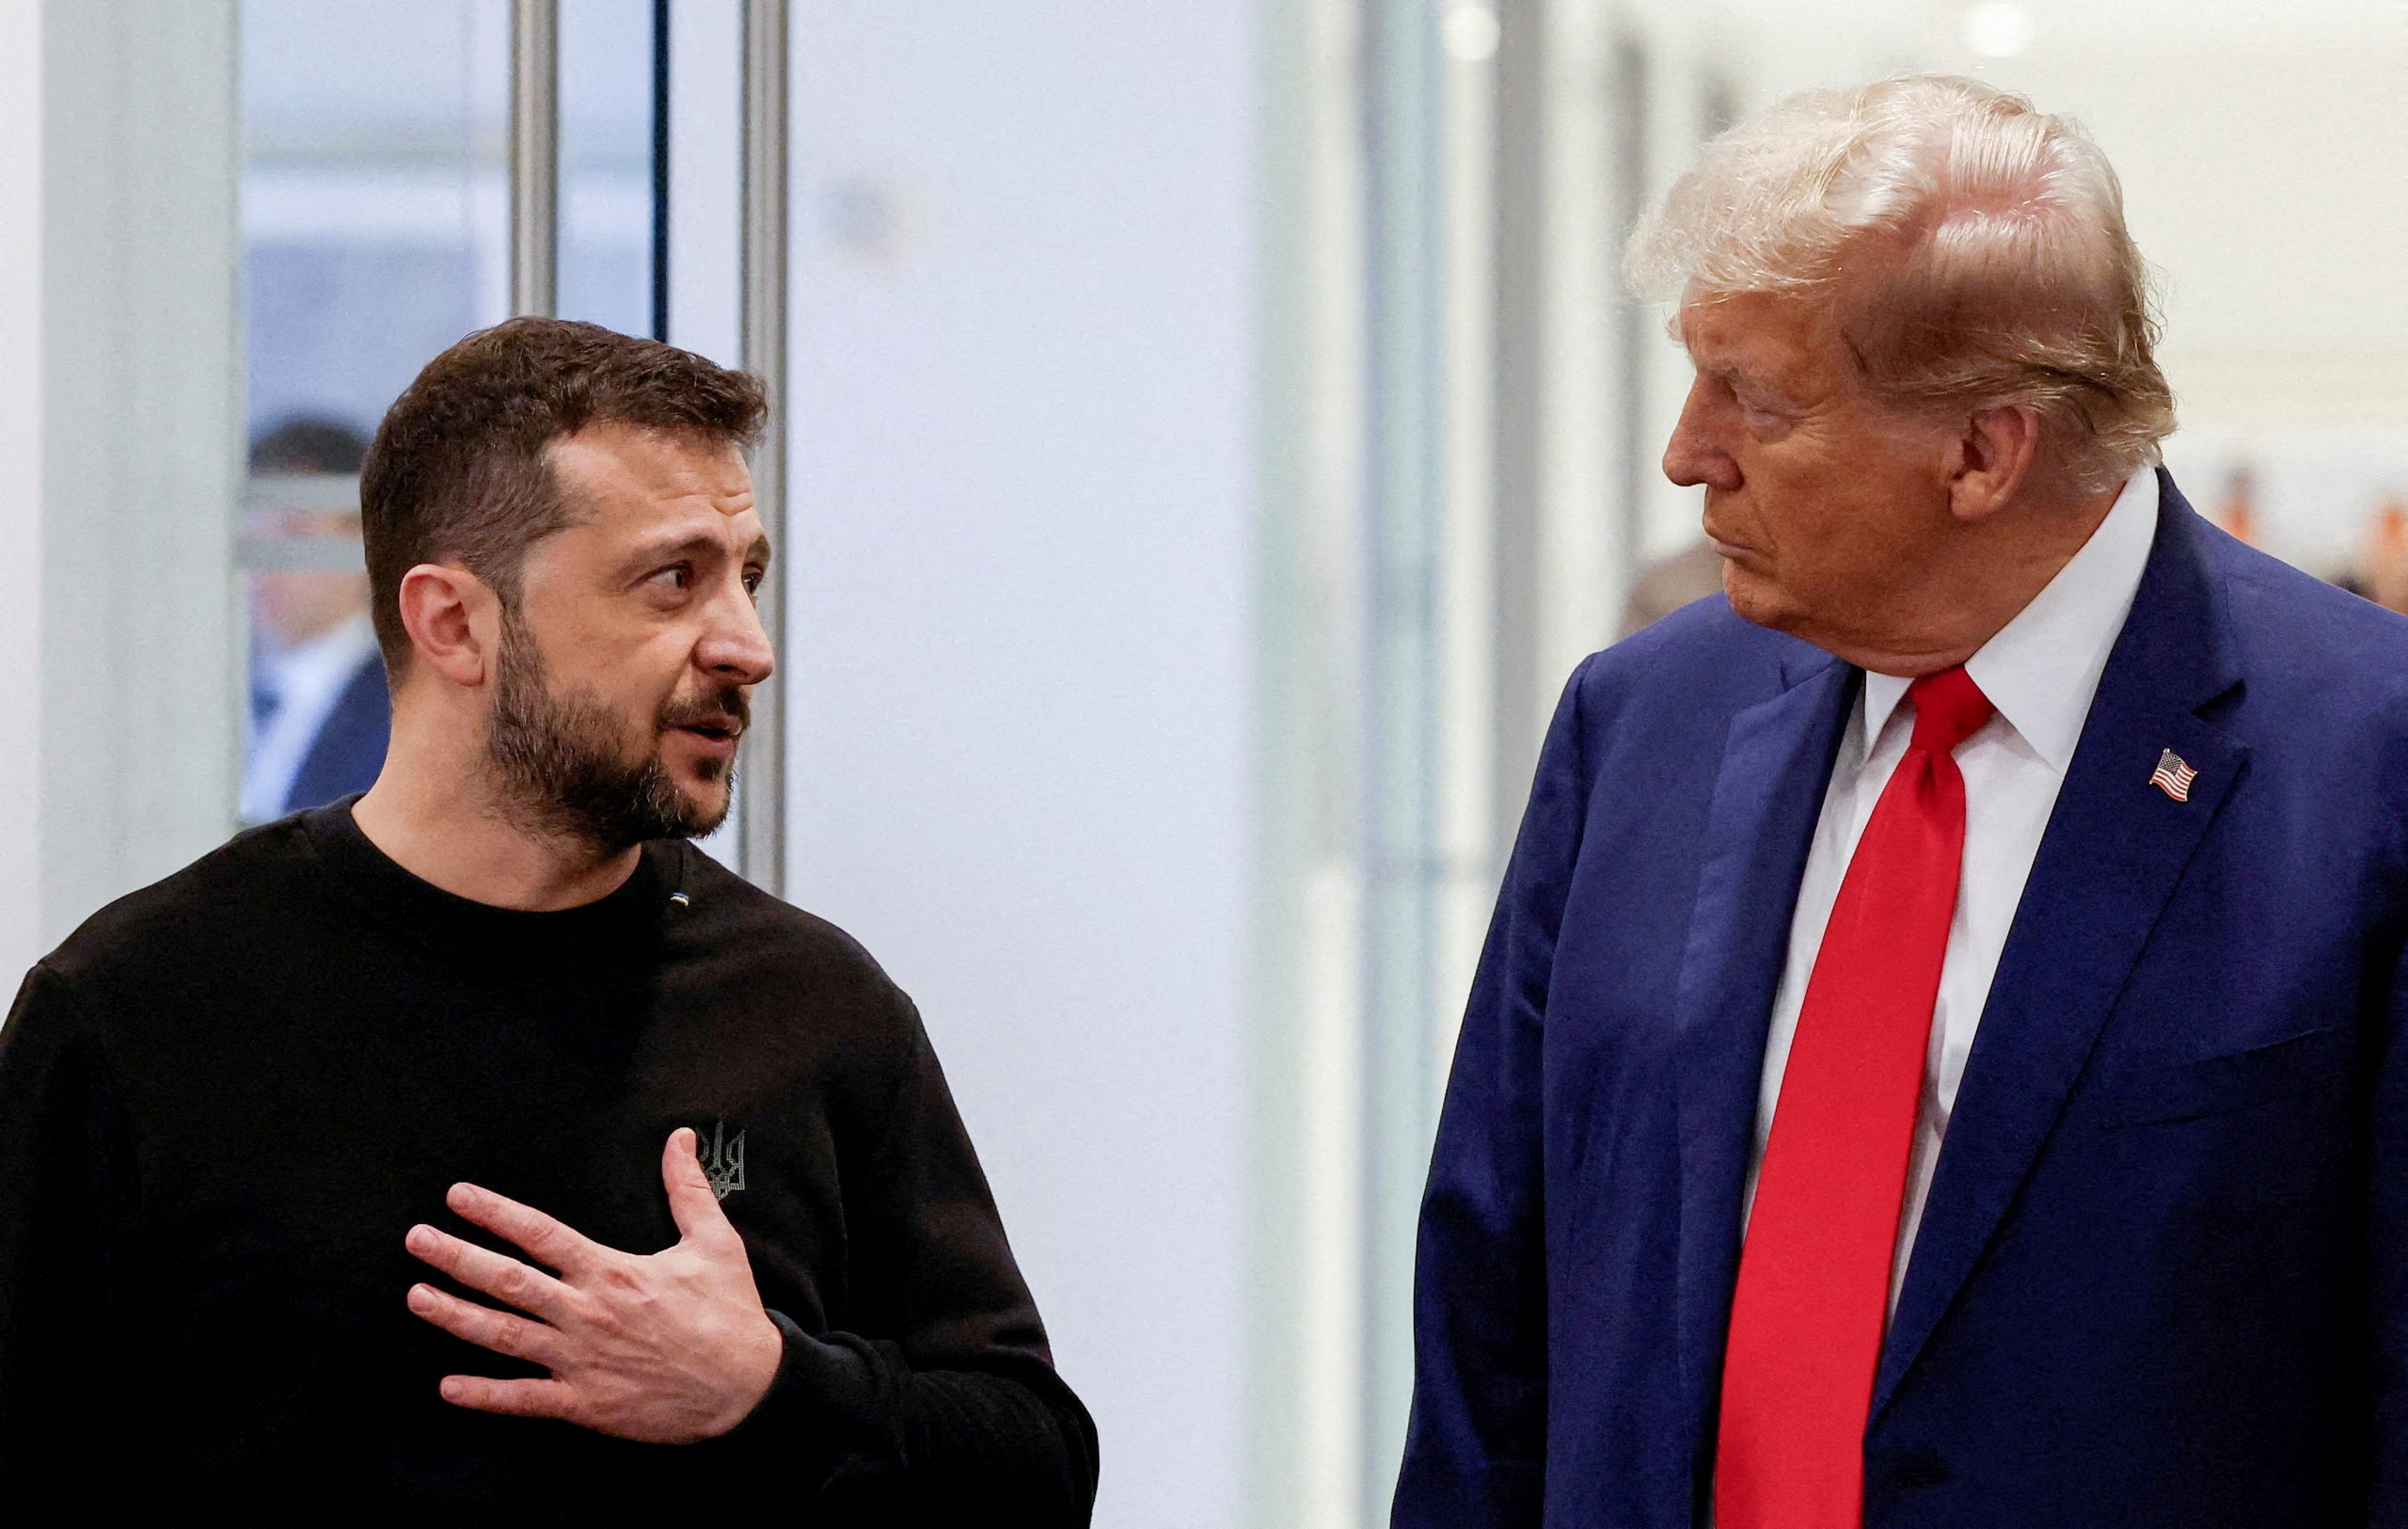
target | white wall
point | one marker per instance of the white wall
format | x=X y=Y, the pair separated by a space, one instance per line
x=21 y=448
x=1018 y=642
x=2266 y=175
x=141 y=421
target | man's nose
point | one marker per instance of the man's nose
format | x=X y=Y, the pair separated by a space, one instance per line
x=736 y=646
x=1691 y=457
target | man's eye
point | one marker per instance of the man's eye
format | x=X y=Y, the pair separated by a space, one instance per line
x=1762 y=413
x=753 y=578
x=675 y=577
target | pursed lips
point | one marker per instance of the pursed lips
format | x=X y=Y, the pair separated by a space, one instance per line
x=1724 y=546
x=1716 y=531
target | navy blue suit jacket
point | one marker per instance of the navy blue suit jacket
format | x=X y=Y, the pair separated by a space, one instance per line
x=349 y=750
x=2162 y=1276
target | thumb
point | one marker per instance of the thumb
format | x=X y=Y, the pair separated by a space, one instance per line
x=691 y=1201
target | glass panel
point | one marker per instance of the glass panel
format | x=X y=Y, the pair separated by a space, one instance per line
x=607 y=192
x=373 y=232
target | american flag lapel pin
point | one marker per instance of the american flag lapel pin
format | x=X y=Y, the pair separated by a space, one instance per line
x=2173 y=776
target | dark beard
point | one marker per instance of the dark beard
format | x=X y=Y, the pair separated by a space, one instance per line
x=559 y=764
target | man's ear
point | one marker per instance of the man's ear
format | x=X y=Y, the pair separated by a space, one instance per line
x=453 y=620
x=1991 y=460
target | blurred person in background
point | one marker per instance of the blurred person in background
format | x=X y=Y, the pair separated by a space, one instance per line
x=2237 y=516
x=482 y=1151
x=1938 y=1055
x=2381 y=573
x=320 y=713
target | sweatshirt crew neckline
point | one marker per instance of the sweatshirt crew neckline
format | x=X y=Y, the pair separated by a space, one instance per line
x=465 y=926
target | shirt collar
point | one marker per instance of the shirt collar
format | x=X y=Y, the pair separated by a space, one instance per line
x=2042 y=668
x=318 y=660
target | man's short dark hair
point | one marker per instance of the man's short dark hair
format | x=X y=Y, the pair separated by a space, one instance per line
x=308 y=443
x=457 y=471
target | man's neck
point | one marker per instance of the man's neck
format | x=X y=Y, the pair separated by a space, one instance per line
x=462 y=837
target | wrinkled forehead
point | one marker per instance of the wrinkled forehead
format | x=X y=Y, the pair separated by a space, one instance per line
x=632 y=480
x=1756 y=330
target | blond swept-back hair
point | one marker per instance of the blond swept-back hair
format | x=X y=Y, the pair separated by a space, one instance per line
x=1972 y=250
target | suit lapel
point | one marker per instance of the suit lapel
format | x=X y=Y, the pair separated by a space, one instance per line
x=1767 y=797
x=2114 y=850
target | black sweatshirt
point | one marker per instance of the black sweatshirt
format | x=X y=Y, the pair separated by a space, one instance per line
x=227 y=1097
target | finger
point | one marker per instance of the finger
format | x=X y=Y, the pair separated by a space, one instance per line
x=481 y=1268
x=691 y=1201
x=500 y=1331
x=518 y=1398
x=554 y=1243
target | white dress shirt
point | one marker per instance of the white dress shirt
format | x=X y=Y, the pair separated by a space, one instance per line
x=303 y=682
x=2040 y=672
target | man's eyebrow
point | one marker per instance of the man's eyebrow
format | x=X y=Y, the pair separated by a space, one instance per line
x=1738 y=378
x=1744 y=379
x=670 y=550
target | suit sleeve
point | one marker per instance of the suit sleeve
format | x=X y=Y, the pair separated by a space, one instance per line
x=1475 y=1449
x=60 y=1141
x=944 y=1407
x=2387 y=1257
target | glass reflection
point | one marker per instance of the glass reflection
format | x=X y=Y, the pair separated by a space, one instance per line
x=319 y=714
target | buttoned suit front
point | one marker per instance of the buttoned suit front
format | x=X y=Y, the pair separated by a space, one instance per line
x=2162 y=1276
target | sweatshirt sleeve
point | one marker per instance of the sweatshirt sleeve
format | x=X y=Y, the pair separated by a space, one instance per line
x=61 y=1135
x=944 y=1406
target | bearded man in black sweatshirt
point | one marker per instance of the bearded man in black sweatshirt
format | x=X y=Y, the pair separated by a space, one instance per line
x=479 y=1149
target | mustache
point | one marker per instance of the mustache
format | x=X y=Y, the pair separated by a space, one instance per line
x=726 y=710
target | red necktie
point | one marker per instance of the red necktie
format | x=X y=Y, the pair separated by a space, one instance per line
x=1813 y=1290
